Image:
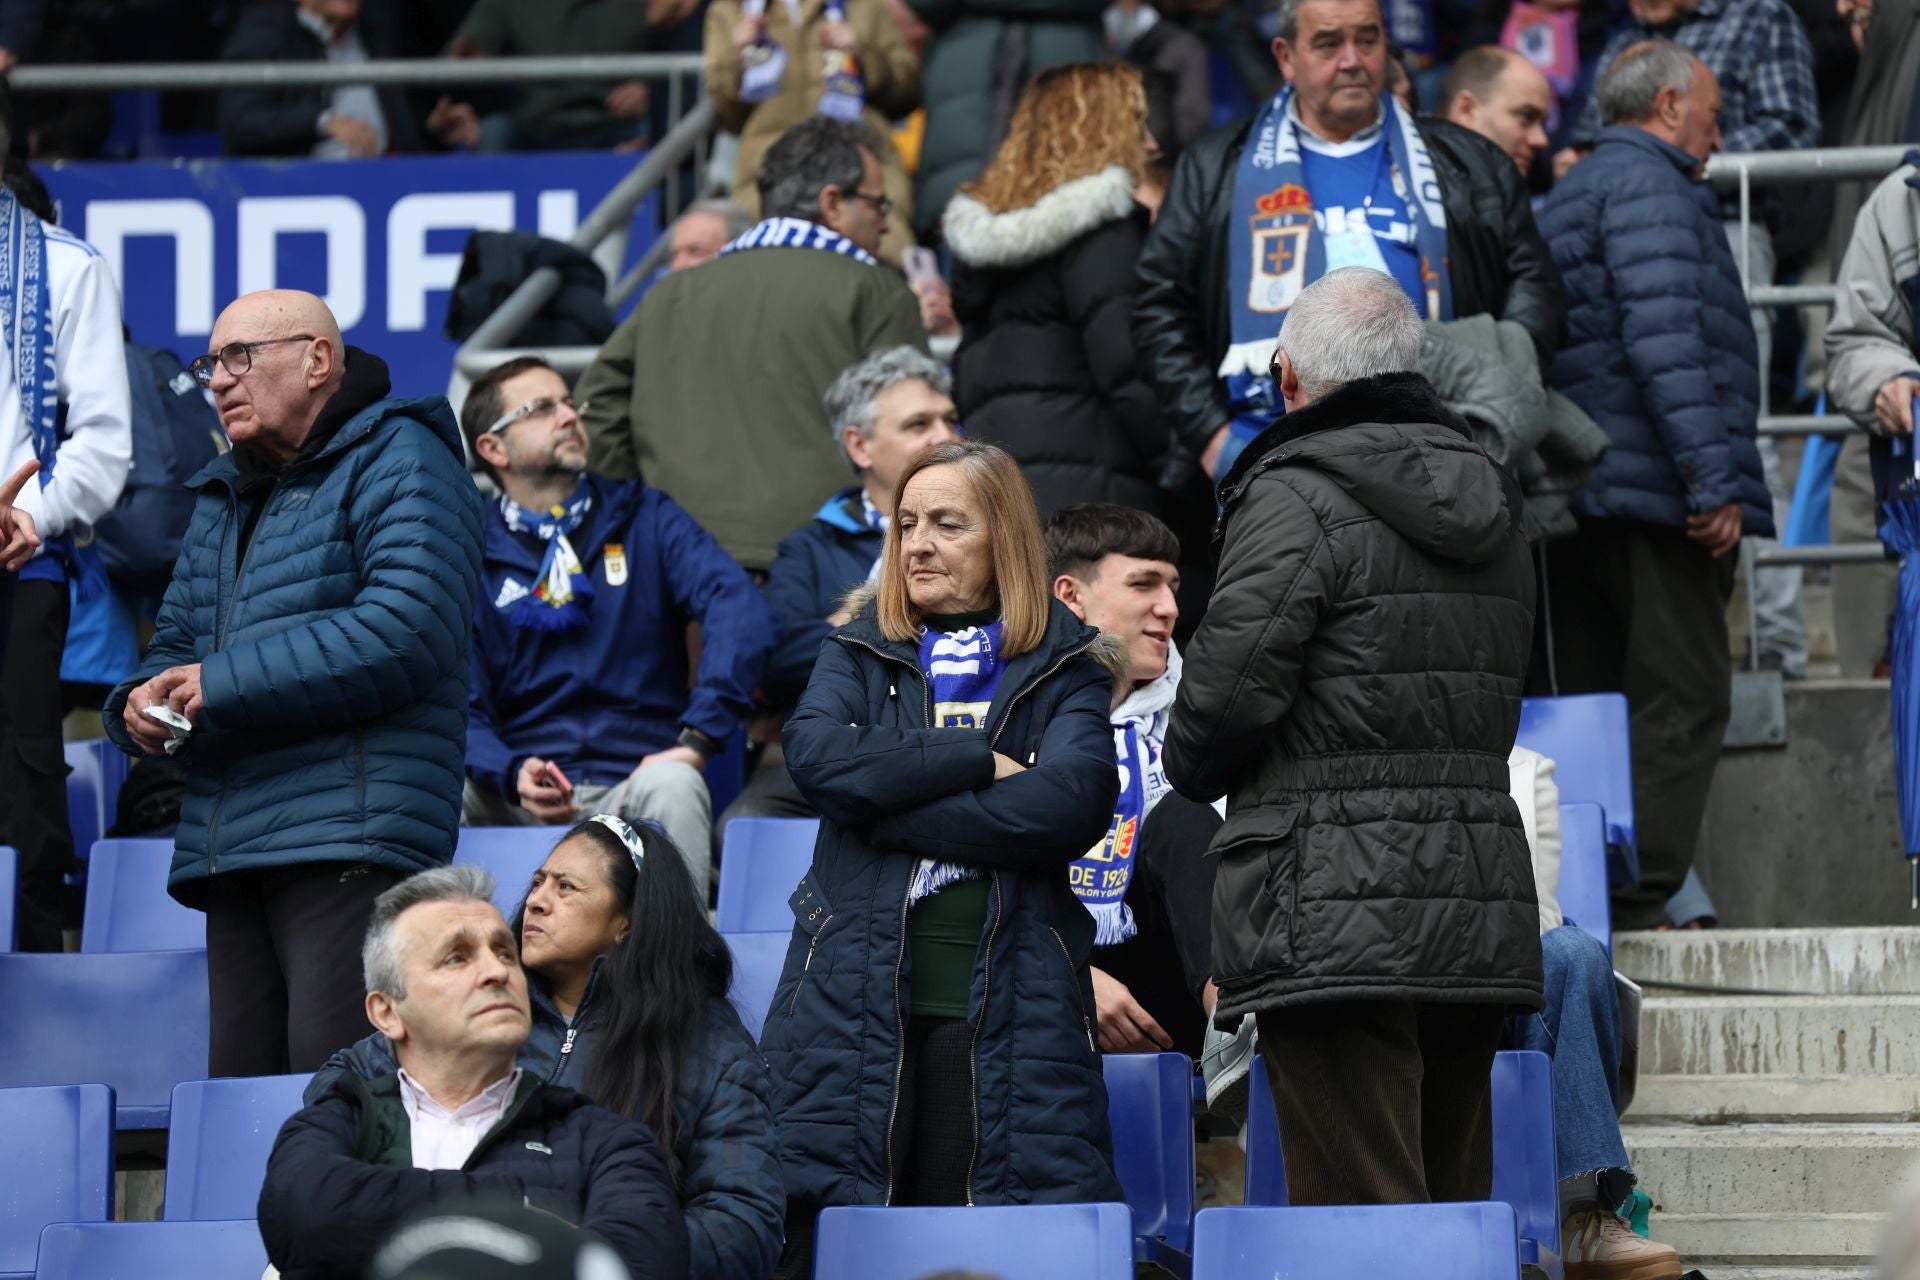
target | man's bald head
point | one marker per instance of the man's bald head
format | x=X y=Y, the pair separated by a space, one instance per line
x=287 y=346
x=1502 y=97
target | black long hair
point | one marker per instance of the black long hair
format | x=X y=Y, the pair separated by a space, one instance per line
x=655 y=983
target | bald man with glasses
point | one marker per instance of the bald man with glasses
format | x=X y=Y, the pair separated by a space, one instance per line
x=310 y=670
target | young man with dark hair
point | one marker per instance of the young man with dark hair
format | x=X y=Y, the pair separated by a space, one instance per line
x=1148 y=884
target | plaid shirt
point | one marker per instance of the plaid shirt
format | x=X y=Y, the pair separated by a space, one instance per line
x=1759 y=52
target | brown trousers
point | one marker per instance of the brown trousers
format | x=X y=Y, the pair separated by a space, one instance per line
x=1383 y=1101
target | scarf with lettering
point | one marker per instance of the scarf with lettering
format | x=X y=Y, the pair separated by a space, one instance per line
x=962 y=669
x=797 y=233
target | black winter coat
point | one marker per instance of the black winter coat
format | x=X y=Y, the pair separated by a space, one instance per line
x=284 y=120
x=891 y=790
x=1497 y=263
x=1354 y=690
x=1047 y=368
x=334 y=1192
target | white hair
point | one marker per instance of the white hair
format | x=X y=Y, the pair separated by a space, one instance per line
x=1631 y=85
x=1350 y=324
x=379 y=957
x=851 y=400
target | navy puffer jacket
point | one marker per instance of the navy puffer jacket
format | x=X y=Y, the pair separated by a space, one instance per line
x=1660 y=348
x=891 y=790
x=335 y=659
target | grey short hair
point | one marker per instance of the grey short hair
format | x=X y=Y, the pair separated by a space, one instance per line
x=379 y=957
x=732 y=213
x=850 y=400
x=1287 y=15
x=817 y=153
x=1350 y=324
x=1629 y=87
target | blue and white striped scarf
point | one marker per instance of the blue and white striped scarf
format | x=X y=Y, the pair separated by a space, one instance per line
x=561 y=591
x=797 y=233
x=962 y=669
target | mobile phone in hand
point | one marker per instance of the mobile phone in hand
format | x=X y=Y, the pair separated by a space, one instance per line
x=559 y=779
x=920 y=264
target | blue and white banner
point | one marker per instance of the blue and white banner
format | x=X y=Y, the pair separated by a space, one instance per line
x=380 y=240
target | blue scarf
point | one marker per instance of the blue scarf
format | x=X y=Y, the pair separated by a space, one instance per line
x=962 y=670
x=798 y=233
x=1279 y=245
x=562 y=591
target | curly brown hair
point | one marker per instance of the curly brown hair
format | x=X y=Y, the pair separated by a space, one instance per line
x=1072 y=121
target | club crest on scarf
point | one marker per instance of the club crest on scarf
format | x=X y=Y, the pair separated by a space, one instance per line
x=561 y=592
x=1280 y=229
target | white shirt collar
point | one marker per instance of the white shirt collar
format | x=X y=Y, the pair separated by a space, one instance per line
x=494 y=1097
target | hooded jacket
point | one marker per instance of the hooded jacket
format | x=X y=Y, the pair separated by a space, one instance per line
x=813 y=569
x=1354 y=690
x=891 y=789
x=330 y=607
x=1047 y=369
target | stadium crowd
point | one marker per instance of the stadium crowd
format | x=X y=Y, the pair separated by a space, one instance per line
x=1153 y=666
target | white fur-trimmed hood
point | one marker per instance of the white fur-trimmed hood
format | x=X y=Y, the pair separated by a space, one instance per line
x=982 y=238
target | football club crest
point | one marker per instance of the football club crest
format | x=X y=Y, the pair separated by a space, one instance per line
x=615 y=560
x=1281 y=227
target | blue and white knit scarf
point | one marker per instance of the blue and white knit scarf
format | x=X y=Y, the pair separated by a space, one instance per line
x=797 y=233
x=562 y=591
x=1277 y=248
x=962 y=669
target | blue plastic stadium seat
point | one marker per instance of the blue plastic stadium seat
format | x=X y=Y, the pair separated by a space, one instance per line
x=1583 y=870
x=59 y=1165
x=1525 y=1169
x=757 y=959
x=1011 y=1242
x=127 y=904
x=763 y=859
x=513 y=854
x=136 y=1021
x=218 y=1140
x=98 y=768
x=152 y=1251
x=1587 y=738
x=726 y=773
x=1150 y=1109
x=9 y=896
x=1430 y=1241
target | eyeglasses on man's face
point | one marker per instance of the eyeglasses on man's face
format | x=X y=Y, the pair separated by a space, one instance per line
x=236 y=357
x=539 y=408
x=882 y=203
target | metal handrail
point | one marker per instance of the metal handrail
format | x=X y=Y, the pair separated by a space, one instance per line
x=212 y=76
x=1830 y=163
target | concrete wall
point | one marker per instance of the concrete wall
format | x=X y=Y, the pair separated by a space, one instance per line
x=1810 y=834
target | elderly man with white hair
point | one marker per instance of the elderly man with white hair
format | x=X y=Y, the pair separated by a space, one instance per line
x=1353 y=692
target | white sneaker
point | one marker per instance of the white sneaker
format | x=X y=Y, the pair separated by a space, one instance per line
x=1226 y=1060
x=1599 y=1245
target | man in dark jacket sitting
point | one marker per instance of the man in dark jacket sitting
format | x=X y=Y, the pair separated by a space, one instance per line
x=1354 y=691
x=1661 y=353
x=580 y=668
x=459 y=1119
x=1331 y=173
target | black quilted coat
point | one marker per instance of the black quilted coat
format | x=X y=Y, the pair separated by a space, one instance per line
x=1354 y=692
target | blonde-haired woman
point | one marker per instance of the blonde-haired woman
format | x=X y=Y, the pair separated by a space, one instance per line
x=1044 y=245
x=931 y=1038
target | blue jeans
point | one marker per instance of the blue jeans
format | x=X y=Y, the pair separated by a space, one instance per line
x=1580 y=1030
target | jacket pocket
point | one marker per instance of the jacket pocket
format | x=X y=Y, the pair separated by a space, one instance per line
x=811 y=916
x=1257 y=891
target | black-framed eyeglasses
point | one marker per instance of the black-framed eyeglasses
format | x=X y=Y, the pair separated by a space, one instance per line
x=1273 y=367
x=882 y=203
x=540 y=407
x=237 y=357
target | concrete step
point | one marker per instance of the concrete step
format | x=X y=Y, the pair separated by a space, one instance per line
x=1780 y=1035
x=1709 y=1240
x=1791 y=1273
x=1731 y=1099
x=1869 y=961
x=1757 y=1168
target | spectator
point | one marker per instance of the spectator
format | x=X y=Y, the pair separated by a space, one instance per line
x=981 y=58
x=746 y=347
x=1663 y=359
x=1357 y=677
x=16 y=526
x=492 y=1238
x=978 y=765
x=628 y=985
x=581 y=690
x=458 y=1118
x=1172 y=62
x=551 y=115
x=890 y=408
x=20 y=26
x=1243 y=230
x=699 y=234
x=1758 y=53
x=316 y=638
x=1502 y=97
x=328 y=124
x=1399 y=84
x=1045 y=244
x=769 y=67
x=1149 y=883
x=1580 y=1030
x=67 y=409
x=1873 y=359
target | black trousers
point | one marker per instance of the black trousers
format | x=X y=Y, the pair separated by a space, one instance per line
x=1642 y=609
x=283 y=964
x=1170 y=956
x=33 y=763
x=1383 y=1102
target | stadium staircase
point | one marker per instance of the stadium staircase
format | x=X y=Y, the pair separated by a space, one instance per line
x=1779 y=1091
